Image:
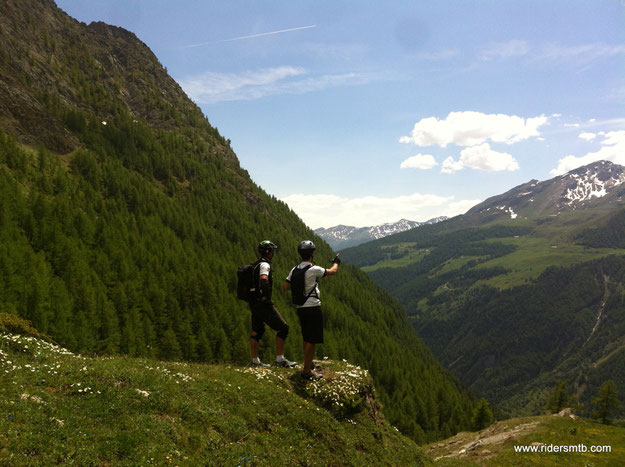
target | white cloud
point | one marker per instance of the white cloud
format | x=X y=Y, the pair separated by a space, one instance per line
x=212 y=87
x=419 y=161
x=326 y=210
x=504 y=50
x=481 y=157
x=471 y=128
x=450 y=166
x=578 y=55
x=612 y=149
x=587 y=136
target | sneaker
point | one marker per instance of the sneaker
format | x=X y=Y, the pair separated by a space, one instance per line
x=312 y=376
x=285 y=363
x=261 y=364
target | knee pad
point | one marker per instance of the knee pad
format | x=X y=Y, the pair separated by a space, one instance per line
x=257 y=337
x=283 y=331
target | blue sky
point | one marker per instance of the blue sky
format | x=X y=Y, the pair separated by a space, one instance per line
x=362 y=112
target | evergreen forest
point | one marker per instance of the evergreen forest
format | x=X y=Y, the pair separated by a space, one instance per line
x=124 y=215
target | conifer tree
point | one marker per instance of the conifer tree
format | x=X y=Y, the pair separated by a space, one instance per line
x=482 y=416
x=607 y=402
x=559 y=399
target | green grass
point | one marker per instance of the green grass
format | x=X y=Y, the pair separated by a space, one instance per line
x=534 y=255
x=453 y=264
x=58 y=407
x=409 y=258
x=551 y=245
x=497 y=446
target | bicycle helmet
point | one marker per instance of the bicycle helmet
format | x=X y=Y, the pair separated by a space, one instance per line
x=266 y=246
x=306 y=247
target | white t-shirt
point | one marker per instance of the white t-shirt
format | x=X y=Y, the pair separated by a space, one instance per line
x=264 y=268
x=310 y=281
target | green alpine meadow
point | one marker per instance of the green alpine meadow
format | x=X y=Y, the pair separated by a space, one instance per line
x=123 y=218
x=59 y=407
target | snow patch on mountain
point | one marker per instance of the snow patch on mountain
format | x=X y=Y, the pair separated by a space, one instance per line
x=343 y=236
x=578 y=189
x=591 y=184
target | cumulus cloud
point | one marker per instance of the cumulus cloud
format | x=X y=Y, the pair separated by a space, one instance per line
x=481 y=157
x=326 y=210
x=472 y=128
x=212 y=87
x=587 y=136
x=450 y=166
x=612 y=149
x=419 y=161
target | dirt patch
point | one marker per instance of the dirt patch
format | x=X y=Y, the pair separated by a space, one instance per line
x=471 y=444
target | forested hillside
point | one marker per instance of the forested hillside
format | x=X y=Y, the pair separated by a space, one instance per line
x=124 y=214
x=516 y=305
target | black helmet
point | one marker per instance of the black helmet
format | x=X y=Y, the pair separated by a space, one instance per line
x=306 y=247
x=266 y=246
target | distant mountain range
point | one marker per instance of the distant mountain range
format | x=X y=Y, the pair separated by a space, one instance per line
x=345 y=236
x=523 y=291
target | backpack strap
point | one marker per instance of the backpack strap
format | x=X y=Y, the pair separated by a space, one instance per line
x=313 y=290
x=255 y=280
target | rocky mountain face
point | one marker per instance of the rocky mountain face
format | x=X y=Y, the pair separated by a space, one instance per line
x=599 y=183
x=50 y=62
x=345 y=236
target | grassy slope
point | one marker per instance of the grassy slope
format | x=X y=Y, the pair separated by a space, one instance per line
x=548 y=246
x=59 y=407
x=495 y=446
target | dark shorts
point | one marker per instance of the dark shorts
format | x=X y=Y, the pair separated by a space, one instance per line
x=266 y=313
x=311 y=320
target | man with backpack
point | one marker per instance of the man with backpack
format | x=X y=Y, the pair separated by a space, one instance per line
x=262 y=307
x=302 y=281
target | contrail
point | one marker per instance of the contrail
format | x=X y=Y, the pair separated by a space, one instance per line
x=252 y=36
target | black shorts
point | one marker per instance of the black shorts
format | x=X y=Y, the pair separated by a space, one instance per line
x=311 y=320
x=266 y=313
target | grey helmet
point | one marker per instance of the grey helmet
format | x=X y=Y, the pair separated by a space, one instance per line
x=266 y=246
x=306 y=247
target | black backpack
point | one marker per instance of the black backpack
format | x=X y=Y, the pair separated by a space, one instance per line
x=298 y=285
x=247 y=283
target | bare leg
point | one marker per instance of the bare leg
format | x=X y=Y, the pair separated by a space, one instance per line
x=254 y=346
x=279 y=346
x=309 y=354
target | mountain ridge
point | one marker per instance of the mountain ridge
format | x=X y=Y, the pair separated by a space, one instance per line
x=344 y=236
x=577 y=189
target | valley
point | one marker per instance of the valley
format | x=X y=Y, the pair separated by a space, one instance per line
x=514 y=304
